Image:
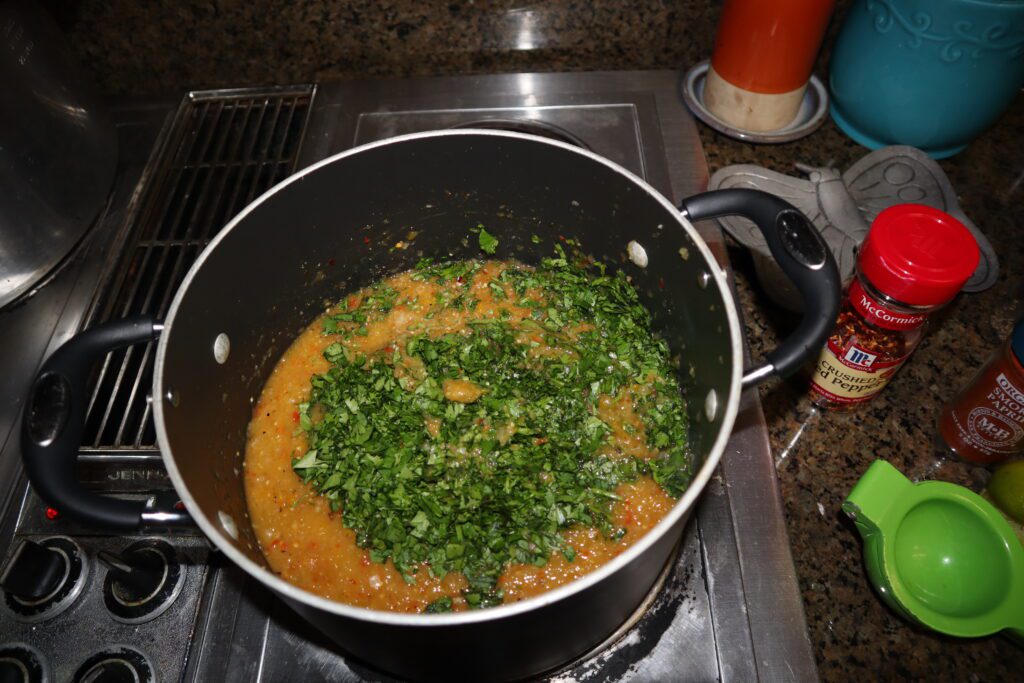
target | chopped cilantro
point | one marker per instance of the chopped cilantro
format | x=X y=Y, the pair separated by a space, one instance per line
x=488 y=242
x=439 y=606
x=439 y=485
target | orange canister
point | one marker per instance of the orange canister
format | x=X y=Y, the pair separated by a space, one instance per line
x=763 y=56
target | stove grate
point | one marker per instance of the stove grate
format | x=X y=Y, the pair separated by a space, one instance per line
x=224 y=148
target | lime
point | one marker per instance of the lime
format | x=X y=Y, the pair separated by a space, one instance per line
x=1007 y=489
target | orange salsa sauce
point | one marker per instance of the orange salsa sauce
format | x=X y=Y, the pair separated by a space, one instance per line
x=306 y=543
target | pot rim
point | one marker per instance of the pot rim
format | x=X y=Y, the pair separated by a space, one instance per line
x=217 y=534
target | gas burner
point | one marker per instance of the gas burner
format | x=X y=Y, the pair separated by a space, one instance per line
x=539 y=128
x=21 y=663
x=42 y=579
x=142 y=581
x=118 y=664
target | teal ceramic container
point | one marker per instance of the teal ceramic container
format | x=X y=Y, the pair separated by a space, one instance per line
x=928 y=73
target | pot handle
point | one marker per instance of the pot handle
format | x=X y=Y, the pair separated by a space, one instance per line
x=54 y=419
x=803 y=256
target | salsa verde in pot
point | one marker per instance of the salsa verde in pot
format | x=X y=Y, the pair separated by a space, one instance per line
x=465 y=434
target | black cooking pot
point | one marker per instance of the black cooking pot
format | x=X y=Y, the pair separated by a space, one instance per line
x=332 y=229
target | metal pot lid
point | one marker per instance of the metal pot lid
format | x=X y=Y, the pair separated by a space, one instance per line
x=33 y=253
x=58 y=152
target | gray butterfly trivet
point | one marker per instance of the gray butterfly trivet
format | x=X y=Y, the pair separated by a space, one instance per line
x=842 y=207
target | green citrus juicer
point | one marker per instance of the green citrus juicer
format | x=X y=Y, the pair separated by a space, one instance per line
x=939 y=554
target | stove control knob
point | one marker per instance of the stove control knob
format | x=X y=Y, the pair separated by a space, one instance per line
x=136 y=574
x=34 y=572
x=11 y=672
x=21 y=663
x=112 y=671
x=143 y=581
x=116 y=665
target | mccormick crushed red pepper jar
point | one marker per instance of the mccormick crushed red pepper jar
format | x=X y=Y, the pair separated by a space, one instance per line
x=985 y=422
x=914 y=260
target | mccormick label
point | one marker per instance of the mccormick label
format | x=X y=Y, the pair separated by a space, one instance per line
x=854 y=366
x=876 y=313
x=851 y=374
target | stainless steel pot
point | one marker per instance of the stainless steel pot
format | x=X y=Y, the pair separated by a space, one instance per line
x=332 y=229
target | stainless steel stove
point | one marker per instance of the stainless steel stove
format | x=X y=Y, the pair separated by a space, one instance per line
x=81 y=604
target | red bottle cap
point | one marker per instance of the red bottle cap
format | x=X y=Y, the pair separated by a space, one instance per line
x=918 y=255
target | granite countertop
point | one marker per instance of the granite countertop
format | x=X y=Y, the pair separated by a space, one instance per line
x=157 y=47
x=141 y=48
x=819 y=456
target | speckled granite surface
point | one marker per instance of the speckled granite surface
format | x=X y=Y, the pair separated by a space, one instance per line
x=164 y=46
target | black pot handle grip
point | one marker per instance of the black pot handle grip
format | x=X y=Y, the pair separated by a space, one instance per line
x=803 y=256
x=54 y=420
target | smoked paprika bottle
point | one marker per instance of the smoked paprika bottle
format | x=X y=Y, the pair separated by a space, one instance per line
x=914 y=260
x=984 y=423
